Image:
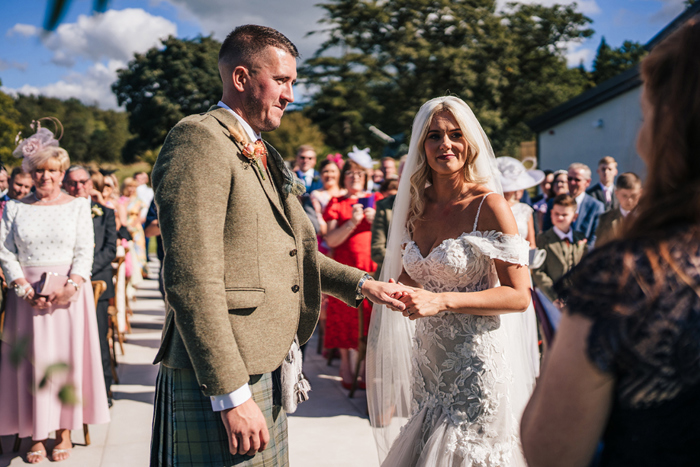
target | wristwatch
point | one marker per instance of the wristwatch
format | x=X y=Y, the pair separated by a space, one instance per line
x=358 y=293
x=21 y=290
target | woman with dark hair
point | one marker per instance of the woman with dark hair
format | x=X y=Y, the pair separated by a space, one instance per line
x=626 y=361
x=349 y=219
x=330 y=177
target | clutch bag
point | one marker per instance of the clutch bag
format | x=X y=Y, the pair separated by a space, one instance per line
x=52 y=282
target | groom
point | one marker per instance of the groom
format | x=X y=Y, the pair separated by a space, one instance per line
x=241 y=272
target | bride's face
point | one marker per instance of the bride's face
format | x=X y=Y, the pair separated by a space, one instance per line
x=445 y=145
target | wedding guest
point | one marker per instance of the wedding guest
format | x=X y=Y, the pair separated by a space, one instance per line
x=377 y=178
x=559 y=186
x=330 y=177
x=110 y=195
x=624 y=366
x=388 y=168
x=21 y=185
x=515 y=179
x=545 y=189
x=349 y=234
x=389 y=187
x=564 y=246
x=49 y=232
x=153 y=230
x=604 y=191
x=145 y=193
x=134 y=224
x=628 y=190
x=77 y=183
x=305 y=163
x=4 y=180
x=588 y=209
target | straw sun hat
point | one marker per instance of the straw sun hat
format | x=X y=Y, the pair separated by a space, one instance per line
x=515 y=177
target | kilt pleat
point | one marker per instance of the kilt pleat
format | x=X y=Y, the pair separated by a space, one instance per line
x=187 y=432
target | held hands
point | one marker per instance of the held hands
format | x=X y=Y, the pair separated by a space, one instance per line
x=385 y=293
x=61 y=296
x=246 y=428
x=421 y=303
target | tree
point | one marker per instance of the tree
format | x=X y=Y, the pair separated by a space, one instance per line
x=164 y=85
x=9 y=127
x=384 y=59
x=611 y=62
x=295 y=130
x=90 y=134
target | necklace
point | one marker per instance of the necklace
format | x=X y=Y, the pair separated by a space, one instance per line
x=47 y=200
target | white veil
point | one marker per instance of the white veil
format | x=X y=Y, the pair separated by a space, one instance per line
x=390 y=340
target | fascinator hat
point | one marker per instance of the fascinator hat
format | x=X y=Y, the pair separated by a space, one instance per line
x=43 y=138
x=515 y=177
x=361 y=157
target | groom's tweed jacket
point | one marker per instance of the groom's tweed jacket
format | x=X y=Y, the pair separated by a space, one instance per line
x=242 y=272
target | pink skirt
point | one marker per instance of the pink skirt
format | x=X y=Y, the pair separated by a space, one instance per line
x=60 y=334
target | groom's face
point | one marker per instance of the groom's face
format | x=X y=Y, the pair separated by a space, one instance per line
x=270 y=90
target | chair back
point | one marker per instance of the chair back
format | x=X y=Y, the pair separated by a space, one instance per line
x=98 y=288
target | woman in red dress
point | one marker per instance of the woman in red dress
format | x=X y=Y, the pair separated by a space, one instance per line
x=349 y=221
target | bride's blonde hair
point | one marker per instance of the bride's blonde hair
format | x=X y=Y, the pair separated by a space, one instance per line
x=423 y=173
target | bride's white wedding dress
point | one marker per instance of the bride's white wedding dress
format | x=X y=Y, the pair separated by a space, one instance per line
x=463 y=411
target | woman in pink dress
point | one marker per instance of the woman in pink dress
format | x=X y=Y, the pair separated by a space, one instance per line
x=49 y=232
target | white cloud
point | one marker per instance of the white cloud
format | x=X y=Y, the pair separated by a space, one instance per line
x=25 y=30
x=92 y=87
x=6 y=65
x=669 y=10
x=576 y=54
x=114 y=35
x=294 y=18
x=587 y=7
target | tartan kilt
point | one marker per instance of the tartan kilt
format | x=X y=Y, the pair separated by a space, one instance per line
x=187 y=432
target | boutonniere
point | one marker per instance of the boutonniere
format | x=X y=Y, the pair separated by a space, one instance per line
x=251 y=151
x=96 y=211
x=316 y=178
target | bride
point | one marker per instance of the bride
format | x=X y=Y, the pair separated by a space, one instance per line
x=454 y=370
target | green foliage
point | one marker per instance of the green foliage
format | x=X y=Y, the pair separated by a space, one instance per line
x=384 y=59
x=610 y=62
x=9 y=127
x=52 y=370
x=164 y=85
x=295 y=130
x=58 y=8
x=90 y=134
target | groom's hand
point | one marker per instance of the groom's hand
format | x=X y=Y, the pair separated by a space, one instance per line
x=385 y=293
x=246 y=428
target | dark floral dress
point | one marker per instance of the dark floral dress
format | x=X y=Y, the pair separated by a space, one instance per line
x=643 y=297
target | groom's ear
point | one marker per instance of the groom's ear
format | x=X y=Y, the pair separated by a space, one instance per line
x=240 y=77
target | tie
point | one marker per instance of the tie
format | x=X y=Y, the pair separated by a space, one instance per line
x=608 y=196
x=261 y=150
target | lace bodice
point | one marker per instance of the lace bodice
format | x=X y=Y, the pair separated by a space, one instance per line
x=36 y=235
x=458 y=361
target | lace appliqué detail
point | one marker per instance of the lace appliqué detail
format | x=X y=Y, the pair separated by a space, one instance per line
x=459 y=368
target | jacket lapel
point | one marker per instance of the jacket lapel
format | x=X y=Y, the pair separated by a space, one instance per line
x=556 y=246
x=229 y=123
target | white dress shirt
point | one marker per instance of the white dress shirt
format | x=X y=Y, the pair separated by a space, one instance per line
x=564 y=236
x=308 y=176
x=579 y=200
x=242 y=394
x=624 y=212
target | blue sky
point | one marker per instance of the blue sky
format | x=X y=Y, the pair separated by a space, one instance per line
x=81 y=58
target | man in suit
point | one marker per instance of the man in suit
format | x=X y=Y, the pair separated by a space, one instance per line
x=588 y=209
x=604 y=191
x=77 y=182
x=242 y=273
x=380 y=231
x=628 y=190
x=306 y=163
x=564 y=246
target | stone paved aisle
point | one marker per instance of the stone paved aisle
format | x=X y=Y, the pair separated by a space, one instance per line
x=327 y=430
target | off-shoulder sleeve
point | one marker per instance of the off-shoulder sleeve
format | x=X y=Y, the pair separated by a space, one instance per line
x=605 y=288
x=84 y=248
x=512 y=249
x=8 y=249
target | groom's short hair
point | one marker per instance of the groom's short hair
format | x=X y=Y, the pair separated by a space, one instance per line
x=244 y=43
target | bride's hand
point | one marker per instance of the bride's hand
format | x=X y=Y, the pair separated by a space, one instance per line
x=421 y=303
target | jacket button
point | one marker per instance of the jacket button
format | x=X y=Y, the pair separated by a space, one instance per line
x=203 y=387
x=295 y=288
x=293 y=252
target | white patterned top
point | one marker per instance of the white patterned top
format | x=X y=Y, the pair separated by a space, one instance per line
x=37 y=235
